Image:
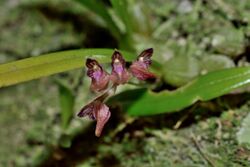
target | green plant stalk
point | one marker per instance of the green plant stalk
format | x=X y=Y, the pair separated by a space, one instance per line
x=142 y=102
x=67 y=101
x=53 y=63
x=102 y=11
x=121 y=9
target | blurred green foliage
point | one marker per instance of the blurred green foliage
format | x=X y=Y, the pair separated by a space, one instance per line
x=243 y=134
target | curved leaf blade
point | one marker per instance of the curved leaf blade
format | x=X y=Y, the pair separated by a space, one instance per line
x=67 y=101
x=48 y=64
x=142 y=102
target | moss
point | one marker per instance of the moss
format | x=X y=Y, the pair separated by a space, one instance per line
x=209 y=142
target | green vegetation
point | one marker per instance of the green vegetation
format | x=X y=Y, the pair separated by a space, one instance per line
x=195 y=109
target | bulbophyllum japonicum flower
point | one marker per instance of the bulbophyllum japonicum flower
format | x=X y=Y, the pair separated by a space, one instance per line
x=119 y=73
x=100 y=78
x=97 y=110
x=139 y=68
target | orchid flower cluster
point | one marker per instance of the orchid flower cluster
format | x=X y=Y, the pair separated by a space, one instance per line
x=104 y=83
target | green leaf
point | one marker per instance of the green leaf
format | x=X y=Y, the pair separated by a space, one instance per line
x=141 y=102
x=243 y=136
x=48 y=64
x=67 y=100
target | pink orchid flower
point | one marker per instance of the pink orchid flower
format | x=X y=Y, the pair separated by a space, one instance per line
x=119 y=73
x=96 y=109
x=100 y=78
x=139 y=68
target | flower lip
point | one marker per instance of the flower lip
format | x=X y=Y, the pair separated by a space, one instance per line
x=102 y=117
